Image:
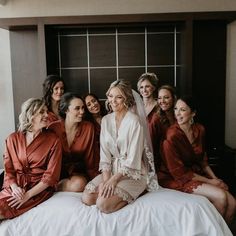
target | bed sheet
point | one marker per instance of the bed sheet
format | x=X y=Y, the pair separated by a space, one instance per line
x=162 y=213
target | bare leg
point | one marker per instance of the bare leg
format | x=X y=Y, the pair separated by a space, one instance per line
x=74 y=184
x=89 y=198
x=111 y=204
x=216 y=195
x=230 y=211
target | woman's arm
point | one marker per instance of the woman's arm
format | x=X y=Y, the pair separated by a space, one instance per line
x=10 y=172
x=207 y=169
x=213 y=181
x=18 y=202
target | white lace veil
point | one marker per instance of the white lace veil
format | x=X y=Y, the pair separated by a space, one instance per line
x=148 y=151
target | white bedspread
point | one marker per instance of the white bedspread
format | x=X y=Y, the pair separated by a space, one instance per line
x=163 y=213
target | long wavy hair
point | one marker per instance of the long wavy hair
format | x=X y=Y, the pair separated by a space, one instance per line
x=28 y=110
x=88 y=115
x=48 y=86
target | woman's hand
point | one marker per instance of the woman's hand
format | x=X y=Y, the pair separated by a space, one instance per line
x=107 y=189
x=15 y=202
x=219 y=183
x=17 y=191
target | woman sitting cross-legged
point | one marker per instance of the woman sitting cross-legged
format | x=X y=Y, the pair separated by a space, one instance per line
x=123 y=158
x=32 y=162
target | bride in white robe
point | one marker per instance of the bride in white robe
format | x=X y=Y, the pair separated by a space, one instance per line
x=125 y=173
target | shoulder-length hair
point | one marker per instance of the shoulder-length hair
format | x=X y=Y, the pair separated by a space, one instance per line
x=126 y=90
x=48 y=86
x=65 y=103
x=28 y=110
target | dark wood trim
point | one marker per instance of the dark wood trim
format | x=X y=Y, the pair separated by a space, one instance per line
x=29 y=22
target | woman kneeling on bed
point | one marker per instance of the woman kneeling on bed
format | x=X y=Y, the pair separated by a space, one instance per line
x=32 y=162
x=125 y=160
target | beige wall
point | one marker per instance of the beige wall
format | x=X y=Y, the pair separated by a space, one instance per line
x=230 y=113
x=25 y=8
x=6 y=96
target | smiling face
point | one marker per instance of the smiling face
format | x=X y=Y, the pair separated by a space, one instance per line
x=75 y=110
x=40 y=119
x=58 y=91
x=165 y=99
x=146 y=89
x=92 y=104
x=116 y=100
x=183 y=113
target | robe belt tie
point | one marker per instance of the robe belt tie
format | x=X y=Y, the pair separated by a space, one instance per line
x=24 y=176
x=120 y=157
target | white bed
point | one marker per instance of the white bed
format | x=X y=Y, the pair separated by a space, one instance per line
x=162 y=213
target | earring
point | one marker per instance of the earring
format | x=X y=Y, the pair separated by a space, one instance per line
x=191 y=121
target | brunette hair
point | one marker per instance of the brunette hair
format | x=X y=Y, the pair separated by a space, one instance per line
x=160 y=112
x=88 y=115
x=190 y=101
x=65 y=102
x=48 y=86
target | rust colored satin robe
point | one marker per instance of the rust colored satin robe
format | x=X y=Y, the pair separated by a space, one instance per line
x=80 y=157
x=157 y=132
x=181 y=159
x=40 y=161
x=52 y=117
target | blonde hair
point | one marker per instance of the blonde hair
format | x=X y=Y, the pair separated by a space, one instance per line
x=126 y=90
x=151 y=77
x=28 y=109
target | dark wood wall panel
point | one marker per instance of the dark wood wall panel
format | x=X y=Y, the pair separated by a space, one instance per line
x=161 y=49
x=131 y=50
x=102 y=51
x=76 y=80
x=209 y=76
x=100 y=80
x=73 y=51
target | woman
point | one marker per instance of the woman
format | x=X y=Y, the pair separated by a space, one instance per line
x=166 y=101
x=79 y=162
x=185 y=162
x=147 y=87
x=95 y=110
x=94 y=113
x=124 y=173
x=32 y=162
x=53 y=89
